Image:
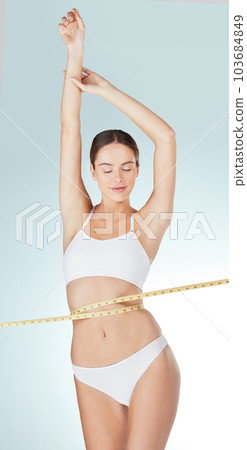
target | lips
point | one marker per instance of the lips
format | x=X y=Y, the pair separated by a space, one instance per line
x=119 y=189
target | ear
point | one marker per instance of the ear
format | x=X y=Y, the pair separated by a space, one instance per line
x=92 y=172
x=137 y=169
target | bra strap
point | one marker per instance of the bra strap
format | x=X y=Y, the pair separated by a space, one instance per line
x=88 y=218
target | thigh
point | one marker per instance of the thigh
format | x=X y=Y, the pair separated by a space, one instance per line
x=104 y=420
x=153 y=404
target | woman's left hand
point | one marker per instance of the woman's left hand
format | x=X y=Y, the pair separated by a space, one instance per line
x=91 y=82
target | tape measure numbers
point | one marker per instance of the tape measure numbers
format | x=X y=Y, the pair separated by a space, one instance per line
x=80 y=313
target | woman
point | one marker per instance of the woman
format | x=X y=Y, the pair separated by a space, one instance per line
x=126 y=376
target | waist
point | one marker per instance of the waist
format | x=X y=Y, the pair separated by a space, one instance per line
x=92 y=308
x=100 y=291
x=103 y=340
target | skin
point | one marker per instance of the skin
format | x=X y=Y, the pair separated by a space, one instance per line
x=118 y=173
x=148 y=421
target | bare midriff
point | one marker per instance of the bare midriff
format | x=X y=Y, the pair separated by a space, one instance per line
x=101 y=341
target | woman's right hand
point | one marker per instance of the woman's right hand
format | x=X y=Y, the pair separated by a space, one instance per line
x=72 y=30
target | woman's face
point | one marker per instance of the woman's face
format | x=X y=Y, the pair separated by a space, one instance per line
x=115 y=166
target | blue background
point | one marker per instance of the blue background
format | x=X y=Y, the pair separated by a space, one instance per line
x=172 y=57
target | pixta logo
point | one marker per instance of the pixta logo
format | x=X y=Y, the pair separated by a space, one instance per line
x=31 y=223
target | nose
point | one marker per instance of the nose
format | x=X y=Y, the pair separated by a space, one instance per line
x=117 y=176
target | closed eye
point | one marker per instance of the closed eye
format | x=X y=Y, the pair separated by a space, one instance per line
x=109 y=171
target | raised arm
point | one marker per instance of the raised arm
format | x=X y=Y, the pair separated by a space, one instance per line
x=73 y=197
x=163 y=136
x=161 y=199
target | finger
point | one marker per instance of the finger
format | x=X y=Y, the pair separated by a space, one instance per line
x=82 y=78
x=83 y=74
x=65 y=21
x=60 y=26
x=84 y=69
x=77 y=83
x=71 y=16
x=78 y=18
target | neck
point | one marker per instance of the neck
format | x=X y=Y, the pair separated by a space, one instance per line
x=107 y=205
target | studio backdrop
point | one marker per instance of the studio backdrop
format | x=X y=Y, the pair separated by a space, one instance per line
x=173 y=58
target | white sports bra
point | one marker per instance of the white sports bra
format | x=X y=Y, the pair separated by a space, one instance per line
x=122 y=257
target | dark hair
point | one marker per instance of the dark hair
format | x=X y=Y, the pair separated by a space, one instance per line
x=109 y=136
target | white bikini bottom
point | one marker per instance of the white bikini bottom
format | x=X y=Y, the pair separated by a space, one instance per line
x=119 y=380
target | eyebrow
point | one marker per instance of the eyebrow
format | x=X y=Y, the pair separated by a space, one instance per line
x=107 y=164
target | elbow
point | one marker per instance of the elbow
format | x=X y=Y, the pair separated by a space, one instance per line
x=171 y=134
x=168 y=136
x=69 y=122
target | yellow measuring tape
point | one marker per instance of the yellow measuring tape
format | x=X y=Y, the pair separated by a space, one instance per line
x=80 y=314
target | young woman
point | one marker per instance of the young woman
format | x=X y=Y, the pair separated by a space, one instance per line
x=126 y=376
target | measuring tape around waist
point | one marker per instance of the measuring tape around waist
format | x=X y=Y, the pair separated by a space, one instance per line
x=79 y=313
